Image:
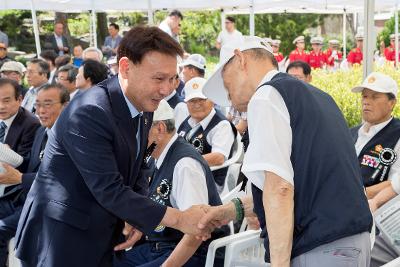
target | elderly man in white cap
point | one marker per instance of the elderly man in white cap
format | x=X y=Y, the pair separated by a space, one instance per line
x=317 y=58
x=301 y=161
x=181 y=179
x=299 y=53
x=15 y=71
x=378 y=147
x=207 y=129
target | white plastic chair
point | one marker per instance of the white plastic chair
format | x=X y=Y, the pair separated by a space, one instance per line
x=236 y=155
x=242 y=249
x=393 y=263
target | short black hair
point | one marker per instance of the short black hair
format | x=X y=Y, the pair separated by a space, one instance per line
x=200 y=72
x=391 y=96
x=231 y=19
x=71 y=70
x=141 y=40
x=175 y=13
x=49 y=55
x=43 y=66
x=300 y=64
x=96 y=71
x=14 y=84
x=64 y=94
x=62 y=60
x=115 y=25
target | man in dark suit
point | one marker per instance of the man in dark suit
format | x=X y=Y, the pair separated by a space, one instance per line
x=17 y=125
x=50 y=102
x=57 y=41
x=88 y=185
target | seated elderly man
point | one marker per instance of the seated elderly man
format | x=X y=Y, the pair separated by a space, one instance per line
x=207 y=129
x=378 y=148
x=181 y=179
x=50 y=101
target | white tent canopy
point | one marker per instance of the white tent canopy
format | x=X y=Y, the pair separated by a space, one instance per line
x=260 y=6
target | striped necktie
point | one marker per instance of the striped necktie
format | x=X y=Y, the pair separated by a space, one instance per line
x=3 y=128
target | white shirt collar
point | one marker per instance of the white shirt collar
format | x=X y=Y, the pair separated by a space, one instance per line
x=10 y=120
x=165 y=151
x=204 y=123
x=268 y=76
x=374 y=129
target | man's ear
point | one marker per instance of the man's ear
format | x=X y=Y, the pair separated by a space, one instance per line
x=240 y=56
x=123 y=67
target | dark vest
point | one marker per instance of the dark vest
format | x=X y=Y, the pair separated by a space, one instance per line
x=374 y=170
x=329 y=198
x=175 y=100
x=199 y=141
x=161 y=188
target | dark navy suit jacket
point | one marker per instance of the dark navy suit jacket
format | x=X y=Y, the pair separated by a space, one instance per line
x=87 y=184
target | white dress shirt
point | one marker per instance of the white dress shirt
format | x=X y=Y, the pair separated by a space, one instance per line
x=8 y=122
x=225 y=37
x=189 y=186
x=220 y=137
x=364 y=137
x=270 y=133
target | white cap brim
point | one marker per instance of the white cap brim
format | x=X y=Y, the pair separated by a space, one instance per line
x=195 y=95
x=359 y=89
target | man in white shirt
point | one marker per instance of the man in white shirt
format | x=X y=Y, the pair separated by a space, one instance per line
x=207 y=129
x=37 y=75
x=181 y=179
x=307 y=188
x=230 y=34
x=377 y=146
x=172 y=24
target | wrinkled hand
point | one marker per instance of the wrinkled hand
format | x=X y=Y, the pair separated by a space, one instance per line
x=217 y=216
x=10 y=176
x=132 y=235
x=189 y=219
x=253 y=223
x=372 y=205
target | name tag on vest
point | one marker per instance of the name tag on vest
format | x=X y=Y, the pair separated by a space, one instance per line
x=370 y=161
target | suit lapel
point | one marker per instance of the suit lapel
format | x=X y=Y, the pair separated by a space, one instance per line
x=14 y=129
x=35 y=154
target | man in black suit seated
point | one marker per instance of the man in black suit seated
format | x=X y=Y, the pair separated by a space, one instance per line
x=17 y=130
x=57 y=41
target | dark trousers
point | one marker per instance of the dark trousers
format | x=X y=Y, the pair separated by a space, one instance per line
x=152 y=254
x=10 y=212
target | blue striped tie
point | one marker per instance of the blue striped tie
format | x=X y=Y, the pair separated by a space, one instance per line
x=3 y=128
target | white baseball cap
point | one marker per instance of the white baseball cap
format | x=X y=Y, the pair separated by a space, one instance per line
x=163 y=112
x=214 y=88
x=194 y=88
x=317 y=40
x=378 y=82
x=196 y=60
x=298 y=39
x=13 y=66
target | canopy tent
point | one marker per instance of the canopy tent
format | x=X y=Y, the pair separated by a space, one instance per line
x=368 y=7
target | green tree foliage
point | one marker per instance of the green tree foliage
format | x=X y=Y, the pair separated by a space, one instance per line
x=384 y=35
x=285 y=27
x=12 y=23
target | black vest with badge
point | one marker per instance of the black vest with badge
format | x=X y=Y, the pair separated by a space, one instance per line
x=161 y=188
x=329 y=197
x=175 y=100
x=199 y=141
x=378 y=155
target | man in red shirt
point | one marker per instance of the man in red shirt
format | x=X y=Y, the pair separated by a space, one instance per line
x=275 y=48
x=355 y=56
x=299 y=53
x=317 y=58
x=390 y=52
x=333 y=54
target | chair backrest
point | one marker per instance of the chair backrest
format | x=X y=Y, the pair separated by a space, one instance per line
x=236 y=154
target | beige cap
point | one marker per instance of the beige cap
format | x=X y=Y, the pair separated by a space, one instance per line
x=196 y=60
x=359 y=36
x=317 y=40
x=378 y=82
x=334 y=42
x=13 y=66
x=163 y=112
x=298 y=39
x=276 y=42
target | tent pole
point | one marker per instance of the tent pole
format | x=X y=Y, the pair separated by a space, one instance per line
x=252 y=31
x=396 y=33
x=150 y=18
x=35 y=29
x=344 y=33
x=94 y=33
x=369 y=37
